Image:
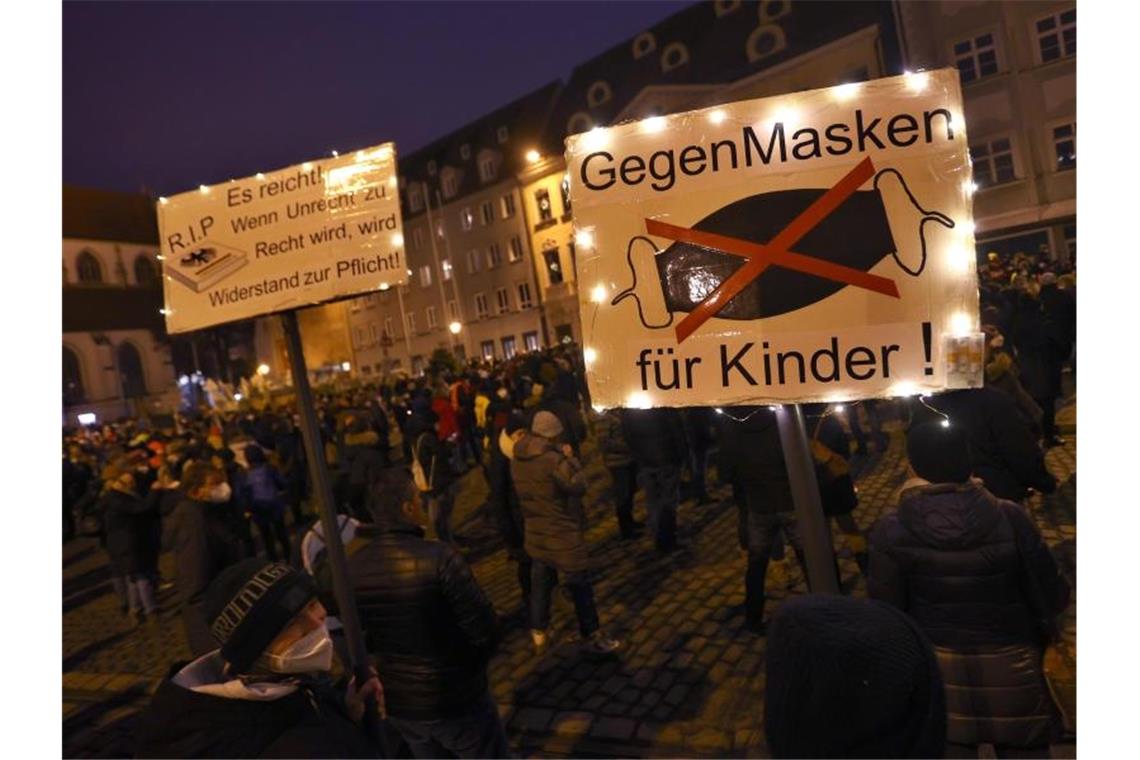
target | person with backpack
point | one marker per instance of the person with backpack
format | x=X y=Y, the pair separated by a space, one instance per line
x=432 y=469
x=263 y=488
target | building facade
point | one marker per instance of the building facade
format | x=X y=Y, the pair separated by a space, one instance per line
x=116 y=356
x=1018 y=67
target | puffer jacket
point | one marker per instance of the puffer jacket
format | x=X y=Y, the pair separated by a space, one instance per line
x=550 y=487
x=656 y=437
x=969 y=567
x=611 y=440
x=425 y=619
x=752 y=459
x=974 y=573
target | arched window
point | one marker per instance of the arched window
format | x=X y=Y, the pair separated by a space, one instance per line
x=145 y=273
x=579 y=122
x=72 y=378
x=765 y=41
x=674 y=55
x=88 y=268
x=644 y=43
x=598 y=93
x=131 y=371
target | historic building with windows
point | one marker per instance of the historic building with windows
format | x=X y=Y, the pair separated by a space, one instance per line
x=1018 y=67
x=116 y=356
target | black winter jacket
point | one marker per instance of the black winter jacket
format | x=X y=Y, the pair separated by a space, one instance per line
x=752 y=459
x=550 y=487
x=656 y=437
x=128 y=527
x=1003 y=451
x=425 y=618
x=971 y=569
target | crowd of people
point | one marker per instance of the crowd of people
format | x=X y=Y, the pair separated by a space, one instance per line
x=958 y=575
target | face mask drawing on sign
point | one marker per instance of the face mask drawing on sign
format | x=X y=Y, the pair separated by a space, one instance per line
x=856 y=235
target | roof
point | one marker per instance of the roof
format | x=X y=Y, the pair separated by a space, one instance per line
x=716 y=38
x=525 y=121
x=90 y=214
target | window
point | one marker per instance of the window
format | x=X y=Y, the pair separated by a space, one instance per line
x=418 y=238
x=993 y=163
x=1071 y=241
x=453 y=310
x=573 y=256
x=509 y=348
x=514 y=249
x=598 y=94
x=977 y=57
x=643 y=43
x=765 y=41
x=488 y=168
x=553 y=265
x=388 y=331
x=1057 y=36
x=88 y=267
x=1065 y=146
x=411 y=323
x=72 y=378
x=131 y=371
x=579 y=122
x=545 y=212
x=431 y=168
x=487 y=213
x=465 y=151
x=144 y=271
x=503 y=296
x=494 y=255
x=507 y=206
x=566 y=194
x=502 y=134
x=674 y=55
x=439 y=229
x=432 y=319
x=481 y=305
x=472 y=261
x=415 y=199
x=466 y=218
x=450 y=186
x=425 y=276
x=530 y=341
x=372 y=336
x=417 y=365
x=524 y=296
x=487 y=348
x=445 y=269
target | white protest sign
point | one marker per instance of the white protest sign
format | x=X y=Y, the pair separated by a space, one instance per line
x=280 y=240
x=816 y=246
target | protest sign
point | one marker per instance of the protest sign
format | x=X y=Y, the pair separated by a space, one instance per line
x=299 y=236
x=816 y=246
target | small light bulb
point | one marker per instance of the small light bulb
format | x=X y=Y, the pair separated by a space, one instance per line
x=346 y=366
x=598 y=294
x=946 y=422
x=845 y=92
x=838 y=408
x=584 y=239
x=163 y=201
x=397 y=239
x=967 y=227
x=961 y=323
x=719 y=410
x=916 y=81
x=589 y=354
x=384 y=286
x=654 y=124
x=639 y=400
x=596 y=138
x=335 y=154
x=718 y=116
x=260 y=176
x=969 y=187
x=307 y=166
x=203 y=189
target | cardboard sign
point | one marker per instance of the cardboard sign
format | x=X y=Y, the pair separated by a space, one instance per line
x=816 y=246
x=295 y=237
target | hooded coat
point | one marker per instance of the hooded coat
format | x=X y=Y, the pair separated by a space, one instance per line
x=976 y=576
x=550 y=487
x=199 y=713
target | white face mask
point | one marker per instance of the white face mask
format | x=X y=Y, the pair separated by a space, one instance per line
x=311 y=653
x=220 y=493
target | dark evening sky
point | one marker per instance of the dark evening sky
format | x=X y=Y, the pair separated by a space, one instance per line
x=170 y=95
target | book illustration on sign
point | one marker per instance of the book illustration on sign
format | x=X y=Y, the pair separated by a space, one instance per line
x=836 y=237
x=204 y=267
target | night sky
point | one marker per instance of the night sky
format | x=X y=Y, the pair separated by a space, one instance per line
x=166 y=96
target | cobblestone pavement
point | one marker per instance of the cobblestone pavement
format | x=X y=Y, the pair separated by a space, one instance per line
x=689 y=681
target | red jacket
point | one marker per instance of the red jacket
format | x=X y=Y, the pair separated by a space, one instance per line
x=448 y=424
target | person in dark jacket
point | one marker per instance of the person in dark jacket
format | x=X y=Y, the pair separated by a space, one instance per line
x=201 y=535
x=698 y=424
x=263 y=496
x=1059 y=323
x=836 y=488
x=975 y=574
x=362 y=463
x=504 y=500
x=1003 y=450
x=752 y=460
x=429 y=625
x=851 y=678
x=434 y=457
x=291 y=461
x=126 y=529
x=656 y=438
x=265 y=689
x=550 y=486
x=619 y=461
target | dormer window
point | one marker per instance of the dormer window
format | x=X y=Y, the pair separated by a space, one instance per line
x=674 y=55
x=598 y=94
x=502 y=134
x=643 y=44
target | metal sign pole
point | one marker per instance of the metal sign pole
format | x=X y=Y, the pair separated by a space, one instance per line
x=322 y=489
x=814 y=531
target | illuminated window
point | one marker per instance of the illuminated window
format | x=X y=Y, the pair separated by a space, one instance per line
x=494 y=255
x=993 y=163
x=514 y=249
x=88 y=268
x=542 y=199
x=553 y=265
x=509 y=347
x=487 y=348
x=977 y=57
x=503 y=297
x=1057 y=36
x=525 y=301
x=565 y=194
x=507 y=206
x=450 y=185
x=445 y=267
x=425 y=276
x=466 y=218
x=1065 y=146
x=530 y=341
x=481 y=310
x=488 y=169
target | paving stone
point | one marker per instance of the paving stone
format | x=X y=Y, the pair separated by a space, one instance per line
x=572 y=723
x=532 y=719
x=619 y=729
x=676 y=695
x=710 y=740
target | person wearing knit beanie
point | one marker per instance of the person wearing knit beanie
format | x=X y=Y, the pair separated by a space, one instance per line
x=851 y=678
x=939 y=453
x=546 y=424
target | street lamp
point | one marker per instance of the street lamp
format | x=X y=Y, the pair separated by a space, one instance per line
x=263 y=369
